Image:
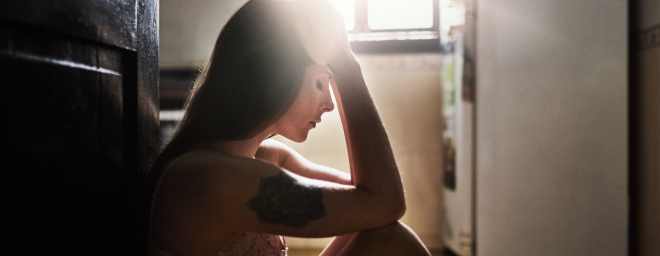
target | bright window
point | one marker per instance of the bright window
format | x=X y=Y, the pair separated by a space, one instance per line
x=381 y=26
x=399 y=14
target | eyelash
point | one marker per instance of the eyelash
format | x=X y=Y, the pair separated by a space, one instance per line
x=319 y=85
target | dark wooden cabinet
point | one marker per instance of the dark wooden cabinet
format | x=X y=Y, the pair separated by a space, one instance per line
x=79 y=93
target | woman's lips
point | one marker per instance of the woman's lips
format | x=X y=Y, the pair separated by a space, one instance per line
x=314 y=123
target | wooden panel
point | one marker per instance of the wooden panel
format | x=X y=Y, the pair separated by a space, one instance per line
x=64 y=118
x=82 y=100
x=112 y=22
x=147 y=107
x=645 y=140
x=147 y=83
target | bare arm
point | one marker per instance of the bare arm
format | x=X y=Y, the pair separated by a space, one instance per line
x=208 y=191
x=373 y=167
x=281 y=155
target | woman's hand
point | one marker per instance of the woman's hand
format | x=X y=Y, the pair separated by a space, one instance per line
x=323 y=34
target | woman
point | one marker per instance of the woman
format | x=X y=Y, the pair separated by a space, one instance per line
x=221 y=187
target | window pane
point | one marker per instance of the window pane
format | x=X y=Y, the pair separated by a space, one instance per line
x=347 y=9
x=400 y=14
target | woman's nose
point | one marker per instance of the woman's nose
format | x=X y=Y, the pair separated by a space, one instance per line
x=329 y=105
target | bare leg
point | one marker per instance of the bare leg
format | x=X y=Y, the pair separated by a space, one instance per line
x=338 y=243
x=393 y=239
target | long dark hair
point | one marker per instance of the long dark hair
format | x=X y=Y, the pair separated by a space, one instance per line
x=251 y=79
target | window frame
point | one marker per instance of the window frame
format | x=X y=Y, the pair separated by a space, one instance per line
x=361 y=28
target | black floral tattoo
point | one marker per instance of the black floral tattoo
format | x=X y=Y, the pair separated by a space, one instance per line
x=282 y=200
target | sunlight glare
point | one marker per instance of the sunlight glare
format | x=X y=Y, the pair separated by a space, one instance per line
x=400 y=14
x=347 y=9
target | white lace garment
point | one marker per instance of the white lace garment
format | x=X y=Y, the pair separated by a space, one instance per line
x=249 y=244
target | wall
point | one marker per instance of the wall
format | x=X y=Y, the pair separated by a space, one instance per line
x=551 y=127
x=406 y=91
x=188 y=29
x=646 y=130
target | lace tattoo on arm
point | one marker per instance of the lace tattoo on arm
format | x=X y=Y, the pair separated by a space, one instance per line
x=282 y=200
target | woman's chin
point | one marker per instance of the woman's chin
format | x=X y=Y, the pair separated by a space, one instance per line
x=299 y=138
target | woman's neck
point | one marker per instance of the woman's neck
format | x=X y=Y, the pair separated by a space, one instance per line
x=243 y=148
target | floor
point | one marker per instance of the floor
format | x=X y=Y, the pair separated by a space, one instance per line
x=317 y=252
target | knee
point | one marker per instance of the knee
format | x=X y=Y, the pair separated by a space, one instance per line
x=392 y=228
x=395 y=232
x=396 y=238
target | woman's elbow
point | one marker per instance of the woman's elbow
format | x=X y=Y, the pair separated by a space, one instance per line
x=399 y=209
x=396 y=208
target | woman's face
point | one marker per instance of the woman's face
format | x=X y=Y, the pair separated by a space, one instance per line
x=312 y=101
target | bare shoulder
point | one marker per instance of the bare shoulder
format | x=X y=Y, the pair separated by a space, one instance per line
x=208 y=187
x=199 y=199
x=202 y=171
x=274 y=152
x=272 y=146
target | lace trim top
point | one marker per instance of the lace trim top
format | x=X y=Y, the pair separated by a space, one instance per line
x=249 y=244
x=257 y=244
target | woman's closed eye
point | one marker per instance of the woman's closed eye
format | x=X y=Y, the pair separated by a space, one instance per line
x=319 y=85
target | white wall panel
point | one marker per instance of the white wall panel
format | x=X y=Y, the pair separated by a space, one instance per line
x=188 y=29
x=551 y=127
